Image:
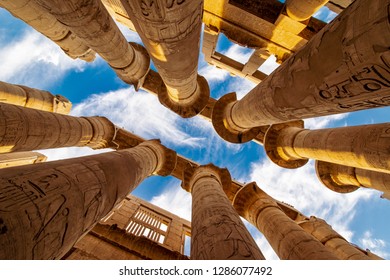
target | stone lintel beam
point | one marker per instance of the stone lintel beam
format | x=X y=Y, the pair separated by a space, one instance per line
x=170 y=32
x=289 y=241
x=345 y=179
x=343 y=68
x=91 y=22
x=20 y=158
x=25 y=129
x=332 y=240
x=365 y=146
x=226 y=129
x=301 y=10
x=45 y=23
x=45 y=208
x=217 y=231
x=34 y=98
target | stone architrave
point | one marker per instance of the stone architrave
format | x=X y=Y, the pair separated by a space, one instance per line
x=20 y=158
x=217 y=231
x=343 y=68
x=46 y=208
x=170 y=31
x=91 y=22
x=49 y=26
x=332 y=240
x=289 y=241
x=25 y=129
x=345 y=179
x=365 y=146
x=301 y=10
x=34 y=98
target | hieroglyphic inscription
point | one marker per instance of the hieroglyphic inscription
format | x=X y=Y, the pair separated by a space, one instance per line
x=222 y=237
x=367 y=88
x=370 y=79
x=184 y=17
x=39 y=198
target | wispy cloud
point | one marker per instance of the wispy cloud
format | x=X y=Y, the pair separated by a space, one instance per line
x=375 y=245
x=140 y=113
x=34 y=60
x=175 y=200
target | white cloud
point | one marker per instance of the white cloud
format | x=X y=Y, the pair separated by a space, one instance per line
x=375 y=245
x=323 y=122
x=140 y=113
x=70 y=152
x=35 y=61
x=175 y=200
x=238 y=53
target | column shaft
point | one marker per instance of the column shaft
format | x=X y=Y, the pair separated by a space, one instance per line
x=90 y=21
x=301 y=10
x=366 y=146
x=332 y=240
x=25 y=129
x=289 y=240
x=170 y=31
x=343 y=68
x=217 y=231
x=344 y=179
x=49 y=26
x=46 y=208
x=34 y=98
x=21 y=158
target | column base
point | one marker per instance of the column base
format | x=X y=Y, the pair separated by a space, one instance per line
x=190 y=109
x=274 y=152
x=221 y=127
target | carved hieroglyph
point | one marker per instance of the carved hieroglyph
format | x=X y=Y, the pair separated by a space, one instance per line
x=343 y=68
x=46 y=208
x=91 y=22
x=366 y=146
x=48 y=25
x=289 y=241
x=34 y=98
x=217 y=231
x=170 y=31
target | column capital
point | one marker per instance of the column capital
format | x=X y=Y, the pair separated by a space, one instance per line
x=250 y=200
x=166 y=158
x=328 y=173
x=191 y=106
x=275 y=152
x=220 y=120
x=192 y=174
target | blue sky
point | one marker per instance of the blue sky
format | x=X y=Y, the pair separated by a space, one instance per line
x=30 y=59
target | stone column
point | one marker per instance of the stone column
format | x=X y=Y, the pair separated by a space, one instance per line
x=343 y=68
x=170 y=31
x=34 y=98
x=332 y=240
x=345 y=179
x=289 y=240
x=365 y=146
x=39 y=19
x=90 y=21
x=25 y=129
x=21 y=158
x=217 y=231
x=301 y=10
x=46 y=208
